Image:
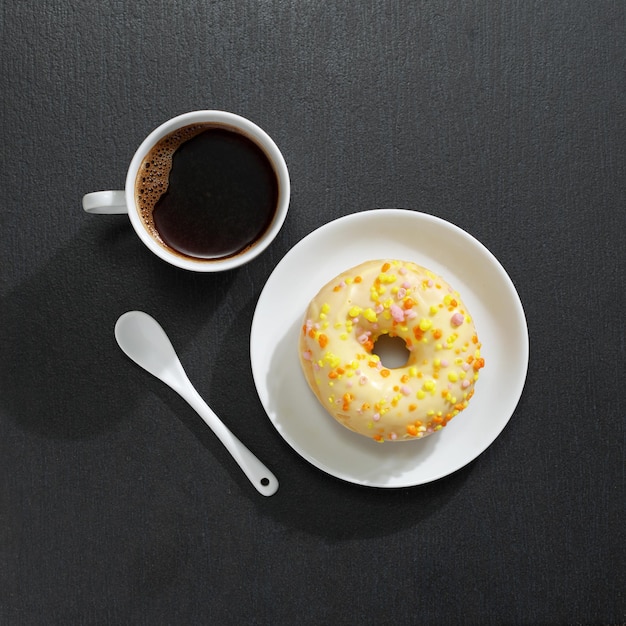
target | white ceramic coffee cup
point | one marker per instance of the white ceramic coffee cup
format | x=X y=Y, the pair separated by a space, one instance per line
x=116 y=202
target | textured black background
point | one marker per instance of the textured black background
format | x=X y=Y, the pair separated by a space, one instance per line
x=118 y=506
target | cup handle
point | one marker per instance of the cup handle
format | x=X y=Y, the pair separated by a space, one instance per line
x=105 y=202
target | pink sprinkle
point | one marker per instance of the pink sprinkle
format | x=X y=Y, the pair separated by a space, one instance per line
x=465 y=384
x=342 y=284
x=457 y=319
x=363 y=380
x=306 y=355
x=363 y=338
x=379 y=309
x=376 y=417
x=401 y=293
x=397 y=313
x=406 y=284
x=444 y=363
x=405 y=390
x=393 y=436
x=349 y=384
x=379 y=365
x=410 y=315
x=430 y=283
x=402 y=271
x=316 y=366
x=465 y=367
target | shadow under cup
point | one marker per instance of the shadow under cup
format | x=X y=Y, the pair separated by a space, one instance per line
x=208 y=191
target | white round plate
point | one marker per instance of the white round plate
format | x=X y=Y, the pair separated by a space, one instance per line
x=447 y=250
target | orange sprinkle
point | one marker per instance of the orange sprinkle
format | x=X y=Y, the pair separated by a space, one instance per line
x=365 y=406
x=418 y=332
x=357 y=279
x=322 y=340
x=405 y=379
x=340 y=370
x=409 y=303
x=332 y=374
x=437 y=333
x=385 y=267
x=474 y=339
x=378 y=438
x=337 y=288
x=369 y=345
x=478 y=363
x=459 y=406
x=411 y=429
x=412 y=407
x=347 y=398
x=384 y=373
x=312 y=333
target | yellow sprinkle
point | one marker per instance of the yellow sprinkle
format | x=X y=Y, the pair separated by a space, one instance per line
x=370 y=315
x=413 y=371
x=325 y=307
x=429 y=385
x=433 y=309
x=338 y=325
x=453 y=377
x=420 y=395
x=452 y=338
x=425 y=324
x=355 y=311
x=387 y=278
x=343 y=336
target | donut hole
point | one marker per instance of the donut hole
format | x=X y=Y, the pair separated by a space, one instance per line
x=392 y=351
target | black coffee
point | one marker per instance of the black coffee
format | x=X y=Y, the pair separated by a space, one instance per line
x=207 y=191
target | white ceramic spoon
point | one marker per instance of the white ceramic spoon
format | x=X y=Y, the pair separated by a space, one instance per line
x=145 y=342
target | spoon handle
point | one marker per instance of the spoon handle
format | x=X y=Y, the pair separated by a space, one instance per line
x=260 y=476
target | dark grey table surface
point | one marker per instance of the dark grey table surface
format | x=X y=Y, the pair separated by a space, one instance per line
x=118 y=506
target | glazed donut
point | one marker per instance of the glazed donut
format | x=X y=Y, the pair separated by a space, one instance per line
x=400 y=299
